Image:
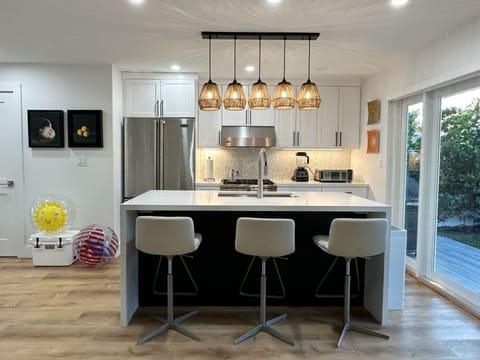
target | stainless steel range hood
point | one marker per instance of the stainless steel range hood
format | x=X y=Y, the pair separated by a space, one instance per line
x=248 y=136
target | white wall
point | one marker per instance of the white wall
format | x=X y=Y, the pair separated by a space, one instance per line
x=452 y=56
x=63 y=87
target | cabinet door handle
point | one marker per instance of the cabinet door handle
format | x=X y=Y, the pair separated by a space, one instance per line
x=336 y=138
x=219 y=139
x=340 y=138
x=298 y=138
x=161 y=108
x=157 y=113
x=246 y=117
x=293 y=141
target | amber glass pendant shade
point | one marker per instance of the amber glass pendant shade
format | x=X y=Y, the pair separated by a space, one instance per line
x=259 y=98
x=234 y=97
x=209 y=98
x=284 y=96
x=308 y=97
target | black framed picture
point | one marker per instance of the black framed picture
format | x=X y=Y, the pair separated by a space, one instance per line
x=46 y=128
x=85 y=128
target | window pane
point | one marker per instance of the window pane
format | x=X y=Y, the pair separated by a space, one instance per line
x=457 y=247
x=414 y=145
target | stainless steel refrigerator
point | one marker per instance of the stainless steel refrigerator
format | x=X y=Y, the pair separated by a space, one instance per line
x=158 y=153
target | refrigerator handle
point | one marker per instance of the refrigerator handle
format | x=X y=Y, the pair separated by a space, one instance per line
x=155 y=156
x=160 y=163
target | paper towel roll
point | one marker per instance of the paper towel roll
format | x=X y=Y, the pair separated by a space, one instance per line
x=209 y=169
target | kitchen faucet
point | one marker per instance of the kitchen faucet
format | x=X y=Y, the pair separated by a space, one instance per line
x=262 y=171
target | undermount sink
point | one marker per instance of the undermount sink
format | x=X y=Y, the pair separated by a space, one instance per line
x=270 y=194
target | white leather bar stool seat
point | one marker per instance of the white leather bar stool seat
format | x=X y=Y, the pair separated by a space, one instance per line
x=265 y=238
x=168 y=236
x=350 y=239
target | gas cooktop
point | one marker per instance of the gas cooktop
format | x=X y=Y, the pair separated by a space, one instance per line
x=246 y=185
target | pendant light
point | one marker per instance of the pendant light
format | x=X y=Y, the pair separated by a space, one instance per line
x=259 y=98
x=209 y=99
x=308 y=98
x=284 y=97
x=234 y=98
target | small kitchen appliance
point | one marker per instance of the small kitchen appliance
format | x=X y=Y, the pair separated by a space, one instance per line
x=334 y=175
x=302 y=161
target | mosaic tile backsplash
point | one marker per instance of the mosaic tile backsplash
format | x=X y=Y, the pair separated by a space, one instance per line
x=281 y=162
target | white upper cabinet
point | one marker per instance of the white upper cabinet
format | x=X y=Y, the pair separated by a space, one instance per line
x=339 y=117
x=154 y=98
x=209 y=125
x=141 y=98
x=285 y=128
x=349 y=117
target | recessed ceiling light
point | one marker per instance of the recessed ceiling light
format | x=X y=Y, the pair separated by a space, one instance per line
x=136 y=2
x=250 y=68
x=398 y=2
x=274 y=1
x=175 y=67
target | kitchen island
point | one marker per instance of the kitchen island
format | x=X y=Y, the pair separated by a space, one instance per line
x=218 y=269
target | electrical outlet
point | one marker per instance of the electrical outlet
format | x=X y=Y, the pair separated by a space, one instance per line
x=379 y=163
x=82 y=161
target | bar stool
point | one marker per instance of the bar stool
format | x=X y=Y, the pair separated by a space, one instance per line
x=265 y=238
x=168 y=236
x=352 y=238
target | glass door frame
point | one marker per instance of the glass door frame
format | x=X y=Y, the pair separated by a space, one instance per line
x=397 y=158
x=423 y=266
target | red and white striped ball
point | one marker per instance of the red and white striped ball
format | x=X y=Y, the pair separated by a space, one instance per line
x=95 y=243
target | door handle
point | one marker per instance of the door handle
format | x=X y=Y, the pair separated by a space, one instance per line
x=336 y=138
x=161 y=108
x=156 y=108
x=340 y=138
x=298 y=138
x=8 y=183
x=293 y=132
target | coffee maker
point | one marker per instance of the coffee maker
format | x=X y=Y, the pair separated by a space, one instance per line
x=301 y=172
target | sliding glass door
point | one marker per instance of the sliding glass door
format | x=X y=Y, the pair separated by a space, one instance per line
x=434 y=184
x=457 y=241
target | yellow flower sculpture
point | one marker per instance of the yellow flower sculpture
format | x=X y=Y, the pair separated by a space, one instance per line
x=50 y=216
x=83 y=131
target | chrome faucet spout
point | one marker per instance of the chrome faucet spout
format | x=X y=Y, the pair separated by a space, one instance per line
x=262 y=170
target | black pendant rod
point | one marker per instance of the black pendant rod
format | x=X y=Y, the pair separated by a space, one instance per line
x=308 y=59
x=264 y=35
x=235 y=60
x=259 y=56
x=284 y=51
x=209 y=58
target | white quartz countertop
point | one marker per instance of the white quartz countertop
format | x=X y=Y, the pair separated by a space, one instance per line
x=210 y=201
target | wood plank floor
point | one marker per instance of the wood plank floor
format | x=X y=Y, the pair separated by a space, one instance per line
x=73 y=313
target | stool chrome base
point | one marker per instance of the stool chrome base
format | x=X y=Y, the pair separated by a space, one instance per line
x=349 y=326
x=263 y=324
x=346 y=324
x=266 y=327
x=171 y=325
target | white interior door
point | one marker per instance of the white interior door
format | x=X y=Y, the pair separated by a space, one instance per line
x=11 y=181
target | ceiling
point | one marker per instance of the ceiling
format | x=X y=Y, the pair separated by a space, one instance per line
x=357 y=37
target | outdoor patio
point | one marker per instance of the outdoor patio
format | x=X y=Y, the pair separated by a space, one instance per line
x=458 y=262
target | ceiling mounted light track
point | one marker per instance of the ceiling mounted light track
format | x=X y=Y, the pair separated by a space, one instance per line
x=259 y=99
x=209 y=98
